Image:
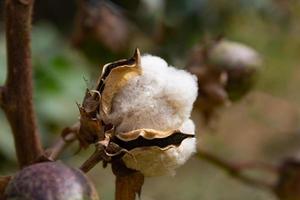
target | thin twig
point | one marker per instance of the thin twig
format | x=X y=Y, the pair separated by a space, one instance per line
x=93 y=160
x=1 y=95
x=257 y=165
x=68 y=136
x=233 y=171
x=17 y=95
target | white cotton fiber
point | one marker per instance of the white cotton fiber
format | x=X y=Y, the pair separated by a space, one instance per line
x=161 y=98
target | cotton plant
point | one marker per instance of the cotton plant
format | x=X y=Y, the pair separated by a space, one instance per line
x=147 y=104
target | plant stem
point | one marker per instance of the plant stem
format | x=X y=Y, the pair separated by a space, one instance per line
x=93 y=160
x=3 y=183
x=232 y=170
x=129 y=182
x=17 y=92
x=128 y=186
x=68 y=135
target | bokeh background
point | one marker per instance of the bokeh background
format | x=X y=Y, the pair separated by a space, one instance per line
x=71 y=40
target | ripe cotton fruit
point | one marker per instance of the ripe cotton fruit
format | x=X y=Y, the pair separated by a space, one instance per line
x=160 y=98
x=149 y=104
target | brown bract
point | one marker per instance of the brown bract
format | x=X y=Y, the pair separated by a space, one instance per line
x=91 y=128
x=97 y=103
x=115 y=76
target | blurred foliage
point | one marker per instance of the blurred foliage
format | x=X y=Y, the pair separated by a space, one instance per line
x=170 y=29
x=60 y=79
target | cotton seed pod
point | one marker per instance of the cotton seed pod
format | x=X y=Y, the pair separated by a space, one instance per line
x=211 y=83
x=160 y=97
x=49 y=181
x=288 y=186
x=149 y=103
x=239 y=61
x=156 y=153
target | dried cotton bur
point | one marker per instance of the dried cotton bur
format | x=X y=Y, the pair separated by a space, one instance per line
x=226 y=71
x=288 y=185
x=142 y=107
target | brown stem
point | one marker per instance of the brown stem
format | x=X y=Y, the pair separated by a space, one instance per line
x=17 y=93
x=128 y=182
x=127 y=187
x=68 y=135
x=91 y=162
x=233 y=171
x=94 y=159
x=3 y=183
x=257 y=165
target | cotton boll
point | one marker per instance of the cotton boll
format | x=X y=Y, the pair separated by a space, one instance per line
x=161 y=98
x=234 y=55
x=154 y=161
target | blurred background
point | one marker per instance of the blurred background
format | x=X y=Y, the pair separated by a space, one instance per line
x=71 y=40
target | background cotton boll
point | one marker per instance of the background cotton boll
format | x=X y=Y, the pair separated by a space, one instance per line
x=153 y=161
x=161 y=98
x=233 y=55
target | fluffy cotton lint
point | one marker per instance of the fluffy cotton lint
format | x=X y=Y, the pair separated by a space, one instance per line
x=160 y=98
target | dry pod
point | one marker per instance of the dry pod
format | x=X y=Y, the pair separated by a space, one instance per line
x=226 y=71
x=48 y=181
x=157 y=153
x=101 y=23
x=288 y=186
x=241 y=63
x=149 y=104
